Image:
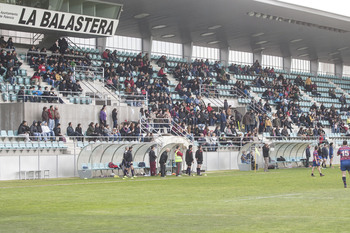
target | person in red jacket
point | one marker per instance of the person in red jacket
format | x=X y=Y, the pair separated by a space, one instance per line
x=126 y=82
x=161 y=73
x=51 y=113
x=36 y=78
x=209 y=108
x=42 y=69
x=179 y=86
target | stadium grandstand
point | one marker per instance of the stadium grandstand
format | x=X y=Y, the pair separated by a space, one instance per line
x=72 y=80
x=130 y=89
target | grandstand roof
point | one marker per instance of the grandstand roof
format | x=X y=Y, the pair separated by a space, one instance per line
x=279 y=28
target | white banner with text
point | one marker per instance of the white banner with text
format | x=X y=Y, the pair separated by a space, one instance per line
x=54 y=20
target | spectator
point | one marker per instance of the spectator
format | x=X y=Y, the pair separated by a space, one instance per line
x=41 y=69
x=57 y=132
x=57 y=116
x=10 y=76
x=115 y=117
x=47 y=132
x=2 y=42
x=79 y=132
x=342 y=99
x=51 y=114
x=34 y=131
x=161 y=73
x=103 y=116
x=308 y=83
x=9 y=44
x=70 y=130
x=91 y=132
x=45 y=115
x=36 y=79
x=77 y=88
x=331 y=93
x=24 y=131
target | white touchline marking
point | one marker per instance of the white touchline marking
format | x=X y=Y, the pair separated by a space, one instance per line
x=265 y=197
x=69 y=184
x=265 y=216
x=103 y=182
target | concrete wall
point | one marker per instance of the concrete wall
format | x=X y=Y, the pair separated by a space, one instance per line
x=58 y=165
x=12 y=114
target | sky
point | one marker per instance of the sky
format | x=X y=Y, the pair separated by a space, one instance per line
x=340 y=7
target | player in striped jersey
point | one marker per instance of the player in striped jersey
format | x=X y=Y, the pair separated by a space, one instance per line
x=344 y=153
x=316 y=162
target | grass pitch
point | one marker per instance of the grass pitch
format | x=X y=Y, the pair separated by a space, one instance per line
x=232 y=201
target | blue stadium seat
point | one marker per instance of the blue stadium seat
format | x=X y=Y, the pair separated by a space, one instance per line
x=22 y=145
x=42 y=145
x=62 y=145
x=55 y=144
x=80 y=144
x=48 y=144
x=3 y=134
x=10 y=133
x=29 y=145
x=8 y=145
x=35 y=145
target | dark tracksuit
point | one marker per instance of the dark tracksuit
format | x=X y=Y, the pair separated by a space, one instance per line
x=308 y=155
x=152 y=162
x=162 y=162
x=324 y=156
x=128 y=161
x=199 y=158
x=189 y=161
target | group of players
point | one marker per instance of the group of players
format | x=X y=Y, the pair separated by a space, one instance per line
x=127 y=163
x=319 y=156
x=343 y=152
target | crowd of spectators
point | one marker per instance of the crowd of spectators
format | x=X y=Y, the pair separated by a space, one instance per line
x=188 y=115
x=48 y=128
x=9 y=63
x=58 y=68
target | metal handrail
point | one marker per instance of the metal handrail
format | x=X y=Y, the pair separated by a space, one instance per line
x=236 y=91
x=170 y=125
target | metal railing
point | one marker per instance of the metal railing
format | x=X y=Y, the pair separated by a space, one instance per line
x=163 y=125
x=214 y=92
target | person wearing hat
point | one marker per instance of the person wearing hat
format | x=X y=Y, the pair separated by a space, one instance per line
x=189 y=160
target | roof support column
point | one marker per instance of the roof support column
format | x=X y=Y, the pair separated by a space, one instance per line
x=338 y=70
x=101 y=43
x=224 y=56
x=147 y=45
x=314 y=67
x=257 y=56
x=287 y=64
x=187 y=51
